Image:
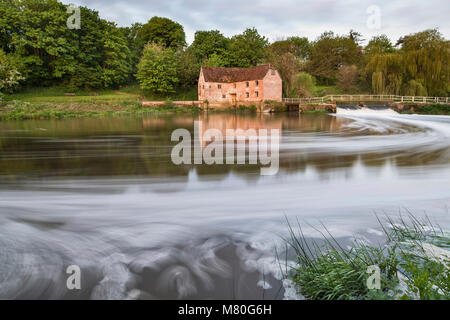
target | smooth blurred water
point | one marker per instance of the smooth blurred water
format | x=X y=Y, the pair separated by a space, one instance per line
x=103 y=194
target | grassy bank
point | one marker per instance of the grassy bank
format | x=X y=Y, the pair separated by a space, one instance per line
x=414 y=263
x=45 y=103
x=21 y=110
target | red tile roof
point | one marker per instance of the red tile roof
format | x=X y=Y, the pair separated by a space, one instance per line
x=227 y=75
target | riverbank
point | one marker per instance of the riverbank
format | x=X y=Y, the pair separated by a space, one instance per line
x=49 y=103
x=19 y=110
x=431 y=109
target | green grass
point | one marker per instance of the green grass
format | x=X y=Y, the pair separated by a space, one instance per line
x=45 y=103
x=408 y=271
x=180 y=94
x=320 y=91
x=432 y=109
x=315 y=112
x=21 y=110
x=244 y=109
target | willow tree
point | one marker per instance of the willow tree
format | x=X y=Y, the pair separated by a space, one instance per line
x=430 y=67
x=386 y=73
x=426 y=55
x=378 y=84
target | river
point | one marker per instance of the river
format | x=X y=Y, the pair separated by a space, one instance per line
x=103 y=194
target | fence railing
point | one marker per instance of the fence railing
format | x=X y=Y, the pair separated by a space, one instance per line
x=363 y=98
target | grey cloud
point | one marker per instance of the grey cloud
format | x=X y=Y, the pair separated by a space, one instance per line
x=281 y=18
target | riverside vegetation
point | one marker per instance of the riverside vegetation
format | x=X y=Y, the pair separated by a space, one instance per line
x=414 y=263
x=103 y=56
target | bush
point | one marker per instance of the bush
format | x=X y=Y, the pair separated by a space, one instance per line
x=10 y=77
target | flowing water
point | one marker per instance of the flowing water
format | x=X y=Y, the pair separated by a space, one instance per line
x=103 y=194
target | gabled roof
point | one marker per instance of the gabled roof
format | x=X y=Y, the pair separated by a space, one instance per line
x=227 y=75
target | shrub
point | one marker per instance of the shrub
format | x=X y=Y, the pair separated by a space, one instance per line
x=10 y=77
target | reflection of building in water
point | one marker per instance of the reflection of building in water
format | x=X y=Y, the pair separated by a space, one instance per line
x=153 y=122
x=242 y=126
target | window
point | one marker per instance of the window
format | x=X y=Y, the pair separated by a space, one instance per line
x=210 y=86
x=203 y=86
x=257 y=83
x=273 y=72
x=219 y=86
x=235 y=85
x=247 y=84
x=257 y=94
x=224 y=96
x=247 y=94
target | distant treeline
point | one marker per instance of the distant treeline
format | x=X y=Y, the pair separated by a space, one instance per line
x=38 y=49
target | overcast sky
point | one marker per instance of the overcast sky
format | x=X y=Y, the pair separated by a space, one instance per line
x=277 y=19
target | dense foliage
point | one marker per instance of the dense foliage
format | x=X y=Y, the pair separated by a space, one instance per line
x=157 y=70
x=38 y=49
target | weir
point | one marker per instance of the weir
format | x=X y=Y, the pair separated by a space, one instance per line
x=366 y=110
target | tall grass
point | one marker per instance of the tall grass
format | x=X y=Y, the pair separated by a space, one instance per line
x=326 y=270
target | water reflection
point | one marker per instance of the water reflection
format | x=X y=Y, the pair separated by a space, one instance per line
x=142 y=146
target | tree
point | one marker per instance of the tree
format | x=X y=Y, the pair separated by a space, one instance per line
x=207 y=43
x=419 y=67
x=9 y=74
x=386 y=72
x=299 y=47
x=215 y=60
x=347 y=77
x=426 y=55
x=163 y=31
x=95 y=56
x=135 y=44
x=424 y=39
x=287 y=65
x=157 y=69
x=39 y=34
x=287 y=56
x=330 y=51
x=247 y=49
x=188 y=68
x=117 y=58
x=303 y=85
x=379 y=45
